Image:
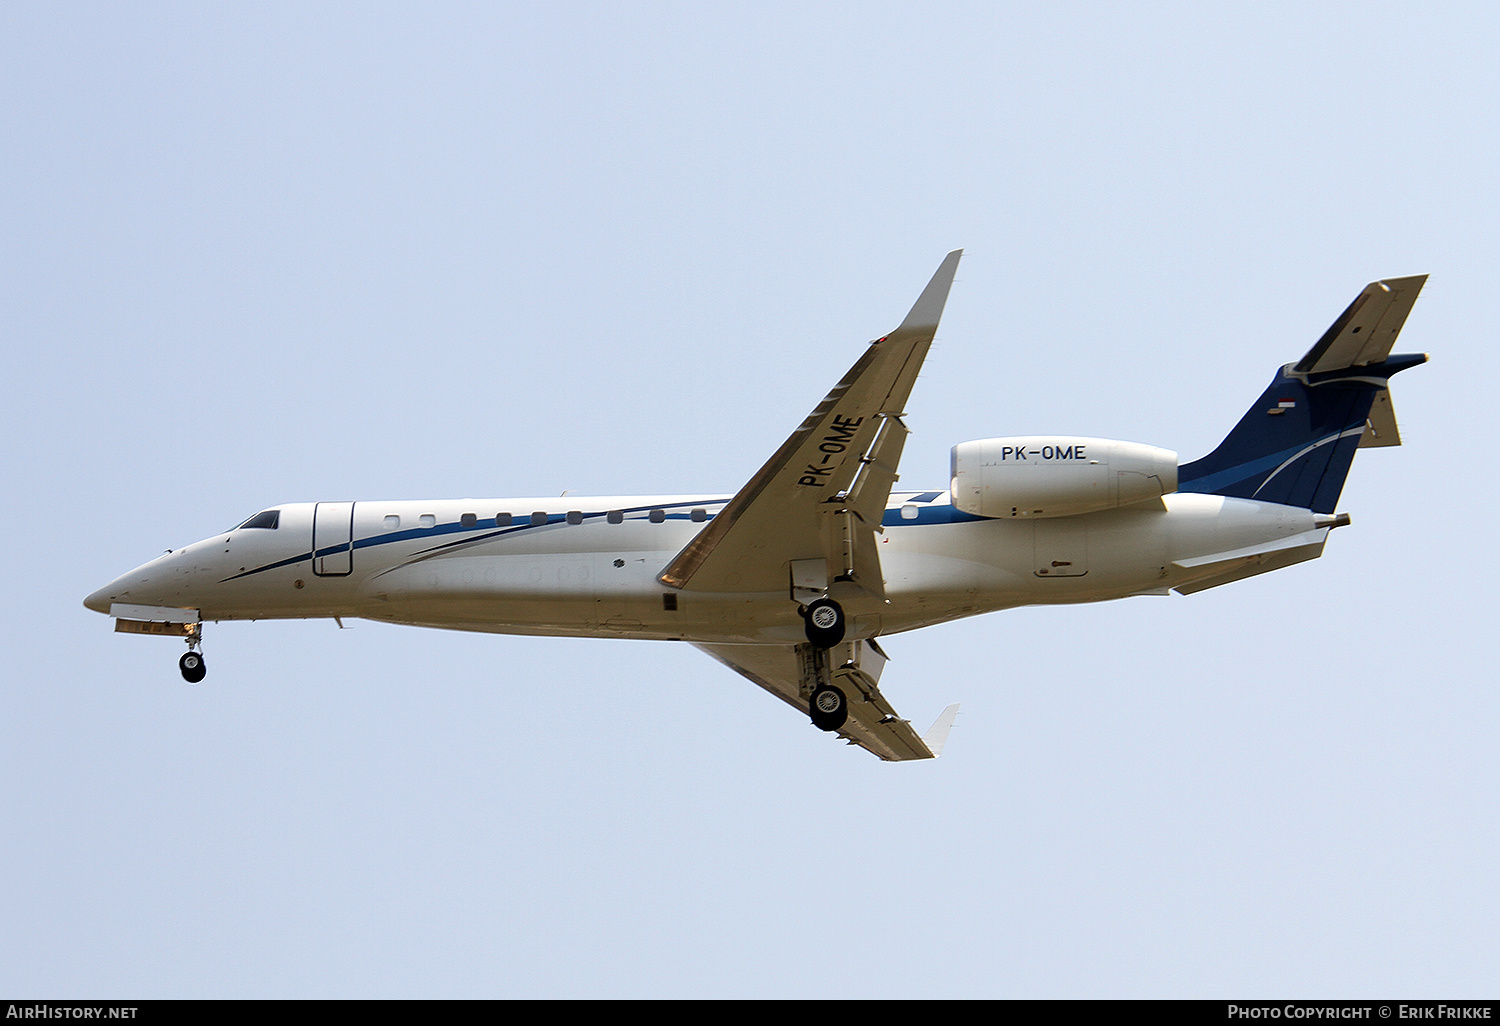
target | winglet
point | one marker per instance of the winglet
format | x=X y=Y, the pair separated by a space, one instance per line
x=937 y=735
x=927 y=311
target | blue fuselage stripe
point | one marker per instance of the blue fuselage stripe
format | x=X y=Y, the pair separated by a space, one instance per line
x=926 y=515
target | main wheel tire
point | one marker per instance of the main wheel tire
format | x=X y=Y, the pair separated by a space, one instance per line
x=824 y=623
x=192 y=667
x=828 y=708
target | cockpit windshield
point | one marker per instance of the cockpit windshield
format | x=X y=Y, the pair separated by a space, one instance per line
x=266 y=520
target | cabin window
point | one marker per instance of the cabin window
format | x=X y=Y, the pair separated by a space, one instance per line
x=575 y=517
x=615 y=516
x=538 y=518
x=469 y=520
x=392 y=521
x=698 y=515
x=658 y=515
x=266 y=520
x=427 y=520
x=502 y=519
x=909 y=512
x=669 y=601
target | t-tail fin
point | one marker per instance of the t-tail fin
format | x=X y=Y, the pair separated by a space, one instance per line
x=1295 y=445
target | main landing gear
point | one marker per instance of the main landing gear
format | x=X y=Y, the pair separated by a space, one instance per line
x=828 y=707
x=824 y=623
x=191 y=664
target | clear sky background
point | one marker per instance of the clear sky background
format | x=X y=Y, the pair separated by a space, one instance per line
x=277 y=252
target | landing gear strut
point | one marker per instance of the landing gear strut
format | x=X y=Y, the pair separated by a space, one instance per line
x=827 y=703
x=191 y=664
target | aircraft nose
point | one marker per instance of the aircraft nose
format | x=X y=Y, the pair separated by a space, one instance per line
x=141 y=586
x=99 y=601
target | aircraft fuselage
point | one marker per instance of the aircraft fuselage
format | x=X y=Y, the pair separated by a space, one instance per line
x=588 y=567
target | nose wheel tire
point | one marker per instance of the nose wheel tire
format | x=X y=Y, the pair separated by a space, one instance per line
x=191 y=665
x=828 y=707
x=825 y=623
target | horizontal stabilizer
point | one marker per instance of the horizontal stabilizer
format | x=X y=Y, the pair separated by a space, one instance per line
x=1313 y=537
x=1365 y=332
x=1236 y=564
x=1380 y=428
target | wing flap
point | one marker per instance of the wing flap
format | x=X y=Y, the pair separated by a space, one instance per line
x=877 y=473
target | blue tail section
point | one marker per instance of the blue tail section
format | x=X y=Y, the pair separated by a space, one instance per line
x=1295 y=445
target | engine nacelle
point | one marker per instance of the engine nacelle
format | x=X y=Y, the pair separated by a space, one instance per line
x=1048 y=476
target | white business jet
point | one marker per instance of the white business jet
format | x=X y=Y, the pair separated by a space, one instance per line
x=791 y=580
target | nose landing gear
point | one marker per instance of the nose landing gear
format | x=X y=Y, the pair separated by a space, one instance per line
x=191 y=664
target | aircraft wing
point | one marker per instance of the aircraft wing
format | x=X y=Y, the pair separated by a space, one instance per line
x=823 y=493
x=872 y=723
x=1365 y=332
